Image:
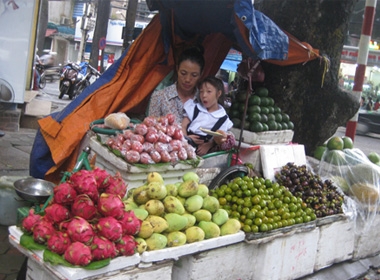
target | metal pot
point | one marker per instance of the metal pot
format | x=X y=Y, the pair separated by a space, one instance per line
x=34 y=190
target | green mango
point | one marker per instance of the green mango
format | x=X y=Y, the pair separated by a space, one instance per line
x=193 y=203
x=194 y=234
x=211 y=229
x=176 y=238
x=188 y=188
x=173 y=205
x=176 y=222
x=156 y=241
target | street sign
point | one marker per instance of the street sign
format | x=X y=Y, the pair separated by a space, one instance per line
x=102 y=43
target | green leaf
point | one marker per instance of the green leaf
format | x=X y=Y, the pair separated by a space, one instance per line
x=28 y=242
x=97 y=264
x=55 y=259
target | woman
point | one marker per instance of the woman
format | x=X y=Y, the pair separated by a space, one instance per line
x=171 y=99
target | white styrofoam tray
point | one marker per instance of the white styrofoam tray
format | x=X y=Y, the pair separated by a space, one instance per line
x=265 y=137
x=64 y=272
x=121 y=164
x=187 y=249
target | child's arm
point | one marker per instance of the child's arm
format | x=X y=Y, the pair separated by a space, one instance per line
x=225 y=142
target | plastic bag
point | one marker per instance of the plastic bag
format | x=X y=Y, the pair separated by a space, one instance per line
x=117 y=121
x=357 y=177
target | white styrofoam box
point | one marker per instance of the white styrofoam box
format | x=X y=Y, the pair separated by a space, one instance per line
x=176 y=252
x=265 y=137
x=367 y=240
x=62 y=272
x=339 y=235
x=273 y=157
x=287 y=257
x=161 y=271
x=227 y=262
x=133 y=175
x=251 y=154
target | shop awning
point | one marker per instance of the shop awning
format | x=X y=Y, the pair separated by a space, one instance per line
x=230 y=65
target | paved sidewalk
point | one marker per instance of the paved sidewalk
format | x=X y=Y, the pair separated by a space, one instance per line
x=15 y=148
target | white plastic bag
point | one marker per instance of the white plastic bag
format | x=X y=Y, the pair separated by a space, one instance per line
x=117 y=121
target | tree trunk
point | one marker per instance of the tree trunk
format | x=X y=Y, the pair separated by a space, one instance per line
x=102 y=16
x=311 y=97
x=42 y=25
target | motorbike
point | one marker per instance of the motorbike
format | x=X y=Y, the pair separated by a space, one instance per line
x=75 y=78
x=53 y=73
x=41 y=70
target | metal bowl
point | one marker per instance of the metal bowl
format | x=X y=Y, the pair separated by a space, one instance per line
x=34 y=190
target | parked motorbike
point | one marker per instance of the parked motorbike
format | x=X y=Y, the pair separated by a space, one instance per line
x=47 y=73
x=75 y=78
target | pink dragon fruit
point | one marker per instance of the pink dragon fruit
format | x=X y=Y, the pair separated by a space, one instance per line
x=101 y=177
x=130 y=223
x=57 y=213
x=83 y=207
x=78 y=254
x=63 y=225
x=110 y=228
x=42 y=231
x=116 y=185
x=102 y=248
x=84 y=182
x=64 y=194
x=59 y=242
x=126 y=246
x=80 y=230
x=30 y=221
x=111 y=205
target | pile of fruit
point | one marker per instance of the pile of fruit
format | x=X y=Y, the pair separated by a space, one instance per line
x=176 y=214
x=155 y=140
x=262 y=205
x=322 y=196
x=86 y=220
x=355 y=173
x=262 y=113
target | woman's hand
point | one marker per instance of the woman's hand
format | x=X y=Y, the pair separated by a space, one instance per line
x=197 y=140
x=204 y=147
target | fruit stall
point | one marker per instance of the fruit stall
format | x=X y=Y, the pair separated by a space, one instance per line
x=147 y=210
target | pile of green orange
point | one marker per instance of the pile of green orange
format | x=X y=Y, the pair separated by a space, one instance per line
x=262 y=205
x=262 y=113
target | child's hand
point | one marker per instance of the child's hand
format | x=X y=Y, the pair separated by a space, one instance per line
x=219 y=140
x=204 y=148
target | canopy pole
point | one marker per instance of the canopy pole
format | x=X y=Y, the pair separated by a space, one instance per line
x=365 y=37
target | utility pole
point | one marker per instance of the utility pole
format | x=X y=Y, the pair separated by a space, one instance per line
x=129 y=23
x=87 y=24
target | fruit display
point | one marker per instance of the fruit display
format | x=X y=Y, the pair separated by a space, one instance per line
x=176 y=214
x=155 y=140
x=86 y=221
x=320 y=195
x=262 y=113
x=262 y=205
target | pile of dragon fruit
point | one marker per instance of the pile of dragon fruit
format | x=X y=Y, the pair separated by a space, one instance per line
x=155 y=140
x=86 y=220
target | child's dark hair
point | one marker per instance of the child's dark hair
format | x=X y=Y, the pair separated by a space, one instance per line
x=218 y=84
x=194 y=54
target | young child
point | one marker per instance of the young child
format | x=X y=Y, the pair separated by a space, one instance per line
x=208 y=113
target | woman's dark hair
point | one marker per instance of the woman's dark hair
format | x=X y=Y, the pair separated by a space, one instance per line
x=194 y=54
x=218 y=84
